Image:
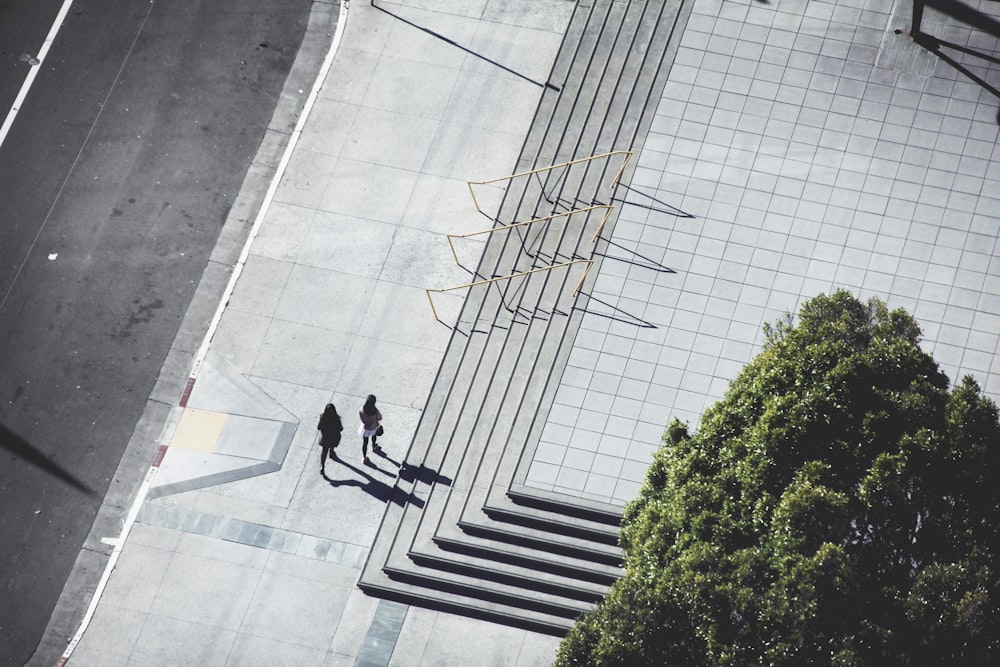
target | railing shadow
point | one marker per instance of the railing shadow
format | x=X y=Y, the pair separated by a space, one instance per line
x=663 y=207
x=972 y=17
x=646 y=262
x=614 y=316
x=452 y=42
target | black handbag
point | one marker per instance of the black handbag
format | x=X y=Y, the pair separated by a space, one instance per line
x=379 y=430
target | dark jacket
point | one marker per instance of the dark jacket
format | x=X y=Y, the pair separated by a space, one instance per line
x=329 y=428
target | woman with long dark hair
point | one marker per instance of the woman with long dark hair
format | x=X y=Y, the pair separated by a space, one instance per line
x=370 y=418
x=329 y=428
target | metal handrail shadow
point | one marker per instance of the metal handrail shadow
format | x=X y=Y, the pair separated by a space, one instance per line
x=633 y=320
x=669 y=209
x=650 y=264
x=452 y=42
x=965 y=14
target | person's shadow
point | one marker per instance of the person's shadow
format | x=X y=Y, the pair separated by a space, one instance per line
x=372 y=485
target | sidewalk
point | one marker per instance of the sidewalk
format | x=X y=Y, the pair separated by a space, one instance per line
x=798 y=146
x=227 y=565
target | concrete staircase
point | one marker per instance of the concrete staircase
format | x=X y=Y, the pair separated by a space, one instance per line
x=462 y=532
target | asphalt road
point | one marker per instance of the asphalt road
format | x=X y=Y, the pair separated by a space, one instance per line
x=115 y=181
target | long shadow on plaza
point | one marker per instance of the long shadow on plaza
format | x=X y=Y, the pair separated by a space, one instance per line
x=448 y=40
x=660 y=206
x=381 y=490
x=615 y=313
x=972 y=17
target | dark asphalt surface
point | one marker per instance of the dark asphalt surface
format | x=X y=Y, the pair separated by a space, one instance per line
x=114 y=184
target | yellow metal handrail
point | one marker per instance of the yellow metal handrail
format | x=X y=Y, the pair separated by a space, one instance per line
x=614 y=181
x=607 y=214
x=576 y=291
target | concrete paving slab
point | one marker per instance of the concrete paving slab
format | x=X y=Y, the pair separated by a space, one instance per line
x=431 y=37
x=252 y=651
x=300 y=353
x=405 y=137
x=348 y=78
x=205 y=592
x=141 y=573
x=303 y=185
x=120 y=628
x=325 y=299
x=382 y=363
x=260 y=286
x=203 y=644
x=240 y=337
x=403 y=86
x=334 y=125
x=416 y=328
x=281 y=602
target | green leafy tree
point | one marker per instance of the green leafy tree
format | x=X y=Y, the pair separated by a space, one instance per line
x=839 y=506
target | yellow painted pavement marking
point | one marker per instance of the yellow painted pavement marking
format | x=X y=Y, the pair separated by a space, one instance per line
x=199 y=430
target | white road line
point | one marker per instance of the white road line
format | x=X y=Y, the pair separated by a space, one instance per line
x=42 y=52
x=83 y=147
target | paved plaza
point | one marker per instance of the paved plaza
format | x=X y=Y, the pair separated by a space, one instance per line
x=799 y=147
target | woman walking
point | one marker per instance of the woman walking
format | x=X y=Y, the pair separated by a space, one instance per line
x=370 y=418
x=329 y=428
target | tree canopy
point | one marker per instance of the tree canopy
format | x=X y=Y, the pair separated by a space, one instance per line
x=839 y=506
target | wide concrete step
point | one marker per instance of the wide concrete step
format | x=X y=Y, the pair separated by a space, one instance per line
x=432 y=555
x=462 y=532
x=559 y=518
x=380 y=584
x=442 y=538
x=401 y=567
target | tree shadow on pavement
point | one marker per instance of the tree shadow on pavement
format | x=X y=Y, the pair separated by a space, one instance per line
x=23 y=449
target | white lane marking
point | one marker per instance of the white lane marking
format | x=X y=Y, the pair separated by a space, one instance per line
x=86 y=142
x=33 y=71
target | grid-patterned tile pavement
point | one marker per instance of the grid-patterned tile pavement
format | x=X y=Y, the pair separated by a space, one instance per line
x=799 y=146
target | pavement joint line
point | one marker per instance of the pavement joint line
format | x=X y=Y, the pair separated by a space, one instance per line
x=213 y=326
x=252 y=534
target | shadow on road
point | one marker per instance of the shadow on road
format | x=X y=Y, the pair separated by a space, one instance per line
x=22 y=449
